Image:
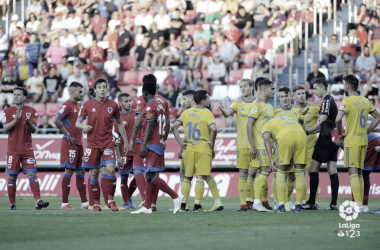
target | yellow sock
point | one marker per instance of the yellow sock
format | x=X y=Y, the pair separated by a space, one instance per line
x=286 y=190
x=185 y=188
x=260 y=186
x=243 y=190
x=301 y=184
x=265 y=191
x=290 y=186
x=361 y=181
x=274 y=191
x=253 y=190
x=355 y=187
x=199 y=191
x=250 y=188
x=281 y=186
x=304 y=196
x=317 y=195
x=213 y=188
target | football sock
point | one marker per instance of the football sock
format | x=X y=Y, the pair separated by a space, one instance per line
x=361 y=182
x=314 y=181
x=260 y=186
x=367 y=185
x=264 y=194
x=35 y=187
x=317 y=194
x=199 y=191
x=124 y=187
x=161 y=184
x=281 y=186
x=300 y=185
x=274 y=191
x=149 y=190
x=95 y=190
x=12 y=191
x=81 y=186
x=185 y=188
x=304 y=196
x=66 y=188
x=213 y=188
x=250 y=188
x=243 y=189
x=132 y=187
x=286 y=189
x=290 y=186
x=89 y=190
x=253 y=189
x=334 y=179
x=355 y=187
x=111 y=187
x=103 y=186
x=155 y=193
x=140 y=181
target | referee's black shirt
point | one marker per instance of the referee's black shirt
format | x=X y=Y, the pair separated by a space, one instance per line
x=329 y=108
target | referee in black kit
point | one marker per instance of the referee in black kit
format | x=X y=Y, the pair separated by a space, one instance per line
x=322 y=150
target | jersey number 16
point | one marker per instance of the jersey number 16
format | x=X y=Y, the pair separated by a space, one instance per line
x=193 y=133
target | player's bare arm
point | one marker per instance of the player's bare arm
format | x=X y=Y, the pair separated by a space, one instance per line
x=59 y=124
x=253 y=151
x=338 y=122
x=10 y=125
x=226 y=112
x=315 y=128
x=268 y=148
x=303 y=124
x=136 y=128
x=119 y=161
x=213 y=133
x=175 y=132
x=148 y=135
x=120 y=126
x=375 y=121
x=79 y=125
x=167 y=130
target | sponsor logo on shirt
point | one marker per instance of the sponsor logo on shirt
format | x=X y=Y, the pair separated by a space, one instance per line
x=13 y=116
x=342 y=106
x=108 y=152
x=4 y=118
x=93 y=110
x=124 y=122
x=31 y=161
x=138 y=102
x=149 y=115
x=110 y=110
x=62 y=109
x=75 y=110
x=148 y=108
x=138 y=107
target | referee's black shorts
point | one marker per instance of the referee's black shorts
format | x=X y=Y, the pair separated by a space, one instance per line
x=325 y=150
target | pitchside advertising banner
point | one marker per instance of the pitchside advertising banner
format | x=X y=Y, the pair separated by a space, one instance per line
x=47 y=153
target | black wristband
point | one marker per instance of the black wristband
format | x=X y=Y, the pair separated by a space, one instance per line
x=307 y=132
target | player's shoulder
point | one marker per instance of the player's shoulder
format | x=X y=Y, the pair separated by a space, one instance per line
x=311 y=105
x=9 y=110
x=296 y=107
x=278 y=107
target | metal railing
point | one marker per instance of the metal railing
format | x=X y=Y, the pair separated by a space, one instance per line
x=306 y=62
x=350 y=2
x=286 y=49
x=315 y=17
x=334 y=10
x=291 y=74
x=340 y=29
x=7 y=19
x=306 y=32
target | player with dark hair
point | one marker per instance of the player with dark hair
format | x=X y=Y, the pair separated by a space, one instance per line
x=154 y=134
x=356 y=109
x=71 y=145
x=20 y=121
x=100 y=113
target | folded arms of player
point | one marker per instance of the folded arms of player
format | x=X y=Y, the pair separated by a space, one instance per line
x=315 y=128
x=120 y=126
x=268 y=148
x=253 y=151
x=58 y=122
x=136 y=128
x=148 y=135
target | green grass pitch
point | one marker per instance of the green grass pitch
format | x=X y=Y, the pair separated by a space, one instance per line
x=52 y=228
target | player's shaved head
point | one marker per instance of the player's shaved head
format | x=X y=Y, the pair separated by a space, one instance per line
x=189 y=93
x=76 y=91
x=149 y=78
x=76 y=85
x=150 y=88
x=264 y=83
x=120 y=97
x=257 y=82
x=352 y=81
x=199 y=96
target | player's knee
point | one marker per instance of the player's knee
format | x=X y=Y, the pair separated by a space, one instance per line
x=69 y=171
x=80 y=172
x=150 y=176
x=189 y=178
x=94 y=175
x=31 y=174
x=13 y=177
x=202 y=177
x=251 y=173
x=292 y=176
x=243 y=172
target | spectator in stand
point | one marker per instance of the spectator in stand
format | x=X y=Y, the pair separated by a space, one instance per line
x=362 y=36
x=106 y=8
x=33 y=53
x=153 y=55
x=99 y=25
x=172 y=111
x=311 y=77
x=86 y=67
x=155 y=33
x=4 y=43
x=96 y=54
x=6 y=87
x=45 y=128
x=111 y=67
x=277 y=23
x=230 y=5
x=201 y=7
x=33 y=24
x=342 y=66
x=170 y=80
x=57 y=25
x=58 y=8
x=80 y=51
x=171 y=94
x=363 y=16
x=68 y=41
x=73 y=22
x=22 y=72
x=113 y=41
x=199 y=81
x=173 y=5
x=249 y=6
x=197 y=52
x=260 y=66
x=226 y=21
x=187 y=82
x=204 y=34
x=141 y=33
x=162 y=20
x=52 y=86
x=290 y=34
x=35 y=84
x=45 y=67
x=64 y=69
x=348 y=46
x=366 y=64
x=228 y=51
x=144 y=18
x=44 y=28
x=373 y=85
x=115 y=20
x=87 y=23
x=157 y=5
x=217 y=70
x=34 y=8
x=55 y=52
x=175 y=25
x=5 y=106
x=169 y=55
x=214 y=11
x=91 y=79
x=374 y=30
x=19 y=41
x=84 y=38
x=77 y=76
x=331 y=52
x=140 y=53
x=186 y=40
x=244 y=22
x=14 y=24
x=73 y=4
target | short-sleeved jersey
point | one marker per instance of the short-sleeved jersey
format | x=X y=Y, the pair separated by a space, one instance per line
x=100 y=117
x=141 y=103
x=294 y=112
x=329 y=108
x=154 y=111
x=280 y=126
x=262 y=112
x=311 y=118
x=241 y=109
x=69 y=112
x=356 y=109
x=19 y=137
x=196 y=123
x=128 y=122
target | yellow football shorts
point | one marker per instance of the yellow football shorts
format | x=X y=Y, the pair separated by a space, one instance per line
x=242 y=158
x=354 y=156
x=292 y=146
x=196 y=162
x=261 y=160
x=309 y=159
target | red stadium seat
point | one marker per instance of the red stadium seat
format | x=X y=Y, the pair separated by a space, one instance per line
x=215 y=109
x=126 y=63
x=128 y=90
x=281 y=61
x=51 y=122
x=265 y=44
x=130 y=77
x=189 y=15
x=52 y=109
x=248 y=41
x=234 y=76
x=40 y=109
x=140 y=77
x=248 y=61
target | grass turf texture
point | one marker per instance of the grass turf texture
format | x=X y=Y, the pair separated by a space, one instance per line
x=53 y=228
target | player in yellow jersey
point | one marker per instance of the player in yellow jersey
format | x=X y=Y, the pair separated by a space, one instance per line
x=188 y=102
x=287 y=108
x=200 y=134
x=241 y=109
x=356 y=109
x=310 y=120
x=260 y=113
x=291 y=139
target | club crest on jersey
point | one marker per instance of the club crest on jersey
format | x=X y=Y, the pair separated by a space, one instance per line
x=28 y=115
x=86 y=159
x=108 y=152
x=4 y=118
x=110 y=110
x=71 y=160
x=9 y=166
x=31 y=161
